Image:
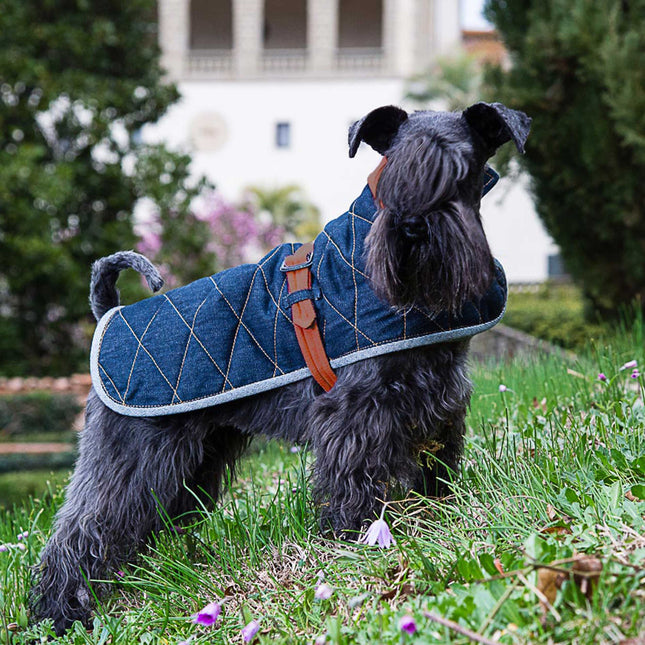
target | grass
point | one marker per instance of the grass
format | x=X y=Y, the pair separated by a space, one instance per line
x=543 y=540
x=15 y=487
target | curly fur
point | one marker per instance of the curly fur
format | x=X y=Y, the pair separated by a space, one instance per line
x=427 y=248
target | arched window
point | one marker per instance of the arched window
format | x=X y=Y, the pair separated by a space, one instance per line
x=211 y=24
x=360 y=24
x=285 y=24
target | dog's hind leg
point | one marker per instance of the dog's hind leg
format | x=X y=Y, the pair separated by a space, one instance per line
x=127 y=469
x=439 y=468
x=223 y=445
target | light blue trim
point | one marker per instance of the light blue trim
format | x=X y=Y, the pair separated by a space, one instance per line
x=268 y=384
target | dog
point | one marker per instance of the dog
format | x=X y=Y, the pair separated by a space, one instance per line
x=414 y=252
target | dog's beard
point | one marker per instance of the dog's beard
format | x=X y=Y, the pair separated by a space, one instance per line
x=436 y=261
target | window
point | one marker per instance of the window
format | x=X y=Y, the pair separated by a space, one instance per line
x=556 y=268
x=211 y=24
x=360 y=24
x=285 y=24
x=283 y=135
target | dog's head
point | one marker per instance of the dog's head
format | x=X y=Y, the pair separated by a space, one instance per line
x=427 y=246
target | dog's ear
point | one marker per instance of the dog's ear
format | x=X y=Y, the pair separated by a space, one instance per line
x=377 y=129
x=496 y=124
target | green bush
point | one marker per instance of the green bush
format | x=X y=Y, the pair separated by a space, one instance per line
x=552 y=312
x=38 y=413
x=578 y=68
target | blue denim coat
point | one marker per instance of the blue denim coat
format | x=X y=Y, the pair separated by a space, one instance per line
x=230 y=335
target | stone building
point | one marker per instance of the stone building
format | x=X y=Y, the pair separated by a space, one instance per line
x=270 y=87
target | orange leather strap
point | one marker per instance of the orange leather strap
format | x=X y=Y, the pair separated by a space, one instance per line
x=375 y=175
x=303 y=315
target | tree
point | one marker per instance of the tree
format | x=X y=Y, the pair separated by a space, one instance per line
x=578 y=68
x=78 y=81
x=455 y=80
x=220 y=234
x=288 y=208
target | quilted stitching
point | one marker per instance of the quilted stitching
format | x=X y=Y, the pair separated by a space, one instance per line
x=229 y=334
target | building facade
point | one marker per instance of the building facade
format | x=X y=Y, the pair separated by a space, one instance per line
x=270 y=87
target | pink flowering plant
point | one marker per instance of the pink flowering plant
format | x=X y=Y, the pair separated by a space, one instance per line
x=630 y=367
x=216 y=234
x=378 y=533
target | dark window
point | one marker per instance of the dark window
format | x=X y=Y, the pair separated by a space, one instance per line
x=360 y=24
x=556 y=268
x=211 y=24
x=283 y=135
x=285 y=24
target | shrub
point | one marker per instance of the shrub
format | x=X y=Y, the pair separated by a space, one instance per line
x=578 y=68
x=38 y=413
x=552 y=312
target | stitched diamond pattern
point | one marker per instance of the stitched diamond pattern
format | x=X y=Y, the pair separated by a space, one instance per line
x=231 y=335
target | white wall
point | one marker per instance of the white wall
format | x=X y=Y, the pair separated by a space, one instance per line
x=515 y=233
x=320 y=113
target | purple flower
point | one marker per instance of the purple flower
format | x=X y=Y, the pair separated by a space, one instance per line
x=502 y=387
x=22 y=536
x=635 y=374
x=629 y=365
x=407 y=624
x=378 y=533
x=323 y=591
x=4 y=547
x=602 y=377
x=249 y=632
x=208 y=616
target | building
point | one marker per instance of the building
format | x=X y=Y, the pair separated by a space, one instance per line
x=270 y=87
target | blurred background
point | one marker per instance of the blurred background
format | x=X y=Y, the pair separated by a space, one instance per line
x=204 y=132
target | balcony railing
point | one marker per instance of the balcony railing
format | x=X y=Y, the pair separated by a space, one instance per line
x=216 y=63
x=284 y=61
x=355 y=59
x=276 y=63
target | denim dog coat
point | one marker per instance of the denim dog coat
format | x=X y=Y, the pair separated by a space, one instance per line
x=230 y=335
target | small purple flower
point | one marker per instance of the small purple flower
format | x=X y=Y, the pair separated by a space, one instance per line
x=323 y=591
x=502 y=387
x=22 y=536
x=629 y=365
x=4 y=547
x=208 y=616
x=249 y=632
x=407 y=624
x=378 y=533
x=602 y=377
x=295 y=449
x=321 y=640
x=635 y=374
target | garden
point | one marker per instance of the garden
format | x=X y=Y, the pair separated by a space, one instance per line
x=541 y=541
x=541 y=538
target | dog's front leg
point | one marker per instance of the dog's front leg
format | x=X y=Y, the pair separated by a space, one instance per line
x=361 y=444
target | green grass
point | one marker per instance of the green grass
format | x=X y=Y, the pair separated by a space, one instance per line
x=16 y=487
x=552 y=475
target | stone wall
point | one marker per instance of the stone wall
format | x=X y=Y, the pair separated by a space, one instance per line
x=77 y=384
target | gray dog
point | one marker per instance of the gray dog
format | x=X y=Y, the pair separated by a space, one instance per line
x=414 y=279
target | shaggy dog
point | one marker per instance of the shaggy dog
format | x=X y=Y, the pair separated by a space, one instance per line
x=417 y=252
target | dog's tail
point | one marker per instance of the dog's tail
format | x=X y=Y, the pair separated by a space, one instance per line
x=103 y=292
